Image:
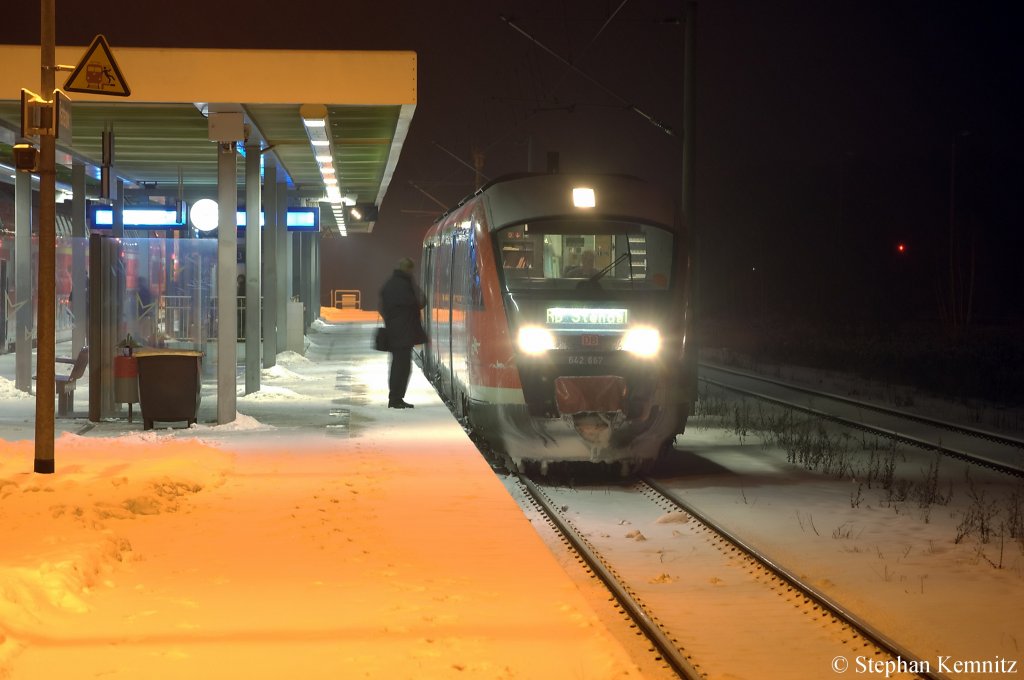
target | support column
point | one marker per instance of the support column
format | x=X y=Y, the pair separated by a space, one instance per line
x=117 y=205
x=125 y=309
x=96 y=328
x=103 y=326
x=315 y=274
x=23 y=325
x=284 y=268
x=108 y=284
x=227 y=271
x=306 y=280
x=253 y=265
x=79 y=251
x=270 y=306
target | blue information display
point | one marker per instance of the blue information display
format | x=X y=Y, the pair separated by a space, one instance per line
x=101 y=217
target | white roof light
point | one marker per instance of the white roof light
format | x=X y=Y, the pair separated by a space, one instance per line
x=583 y=197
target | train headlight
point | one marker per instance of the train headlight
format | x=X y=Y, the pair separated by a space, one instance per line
x=641 y=341
x=535 y=339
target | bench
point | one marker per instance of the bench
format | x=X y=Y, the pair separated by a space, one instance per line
x=65 y=384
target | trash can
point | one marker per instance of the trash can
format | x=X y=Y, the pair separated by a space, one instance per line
x=126 y=381
x=169 y=385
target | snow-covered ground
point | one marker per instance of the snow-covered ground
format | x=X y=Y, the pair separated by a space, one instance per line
x=929 y=561
x=275 y=547
x=927 y=574
x=87 y=546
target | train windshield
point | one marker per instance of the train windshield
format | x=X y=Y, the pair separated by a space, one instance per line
x=615 y=255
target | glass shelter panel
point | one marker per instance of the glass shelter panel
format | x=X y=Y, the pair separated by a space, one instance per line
x=169 y=291
x=161 y=292
x=18 y=308
x=156 y=293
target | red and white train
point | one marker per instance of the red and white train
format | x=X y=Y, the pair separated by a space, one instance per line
x=559 y=319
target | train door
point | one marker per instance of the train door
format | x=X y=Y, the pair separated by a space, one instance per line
x=426 y=279
x=440 y=300
x=450 y=327
x=466 y=305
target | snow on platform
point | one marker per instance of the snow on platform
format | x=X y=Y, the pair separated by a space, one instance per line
x=320 y=535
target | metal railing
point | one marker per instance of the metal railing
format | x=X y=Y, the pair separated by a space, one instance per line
x=177 y=318
x=346 y=299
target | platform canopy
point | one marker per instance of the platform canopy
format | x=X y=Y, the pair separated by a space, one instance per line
x=161 y=130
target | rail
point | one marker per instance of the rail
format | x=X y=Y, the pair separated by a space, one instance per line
x=176 y=319
x=834 y=609
x=1006 y=459
x=665 y=645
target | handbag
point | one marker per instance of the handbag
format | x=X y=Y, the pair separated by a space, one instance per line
x=380 y=339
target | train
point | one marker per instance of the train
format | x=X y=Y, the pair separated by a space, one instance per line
x=560 y=317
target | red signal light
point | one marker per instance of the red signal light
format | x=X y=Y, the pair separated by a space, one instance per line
x=901 y=247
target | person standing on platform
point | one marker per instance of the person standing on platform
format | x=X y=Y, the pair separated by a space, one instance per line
x=400 y=303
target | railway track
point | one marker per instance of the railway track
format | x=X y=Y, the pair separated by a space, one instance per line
x=986 y=448
x=710 y=604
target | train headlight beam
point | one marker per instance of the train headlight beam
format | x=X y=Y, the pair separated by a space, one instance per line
x=641 y=341
x=535 y=340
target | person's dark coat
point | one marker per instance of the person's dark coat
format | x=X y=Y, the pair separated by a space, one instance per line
x=400 y=303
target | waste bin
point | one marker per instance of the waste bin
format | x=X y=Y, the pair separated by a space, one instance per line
x=169 y=385
x=126 y=382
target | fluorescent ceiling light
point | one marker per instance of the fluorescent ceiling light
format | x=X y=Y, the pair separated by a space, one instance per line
x=314 y=117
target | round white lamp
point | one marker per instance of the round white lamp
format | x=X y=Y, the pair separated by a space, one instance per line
x=204 y=215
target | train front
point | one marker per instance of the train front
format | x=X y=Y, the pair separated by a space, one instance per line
x=595 y=281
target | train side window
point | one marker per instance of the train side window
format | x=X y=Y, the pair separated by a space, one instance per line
x=476 y=294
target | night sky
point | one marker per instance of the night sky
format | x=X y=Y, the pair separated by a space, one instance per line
x=825 y=130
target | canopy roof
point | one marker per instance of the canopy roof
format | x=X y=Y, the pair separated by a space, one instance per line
x=161 y=131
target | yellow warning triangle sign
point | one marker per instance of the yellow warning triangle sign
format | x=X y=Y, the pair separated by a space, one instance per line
x=97 y=72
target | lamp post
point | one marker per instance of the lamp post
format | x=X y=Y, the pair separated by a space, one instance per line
x=45 y=302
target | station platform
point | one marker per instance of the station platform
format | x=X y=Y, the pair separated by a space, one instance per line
x=321 y=535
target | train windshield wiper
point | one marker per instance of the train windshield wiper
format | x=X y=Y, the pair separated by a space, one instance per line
x=593 y=280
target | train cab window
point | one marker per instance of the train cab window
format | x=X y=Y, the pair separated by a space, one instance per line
x=518 y=253
x=557 y=255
